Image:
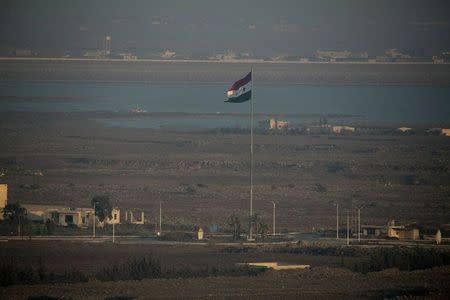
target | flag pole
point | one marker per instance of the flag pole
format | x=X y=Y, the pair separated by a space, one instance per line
x=251 y=161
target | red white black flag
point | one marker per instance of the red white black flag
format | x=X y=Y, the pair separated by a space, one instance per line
x=241 y=90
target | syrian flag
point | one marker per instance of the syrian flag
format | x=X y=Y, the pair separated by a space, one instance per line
x=241 y=90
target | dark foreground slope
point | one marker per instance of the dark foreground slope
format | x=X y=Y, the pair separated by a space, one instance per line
x=327 y=278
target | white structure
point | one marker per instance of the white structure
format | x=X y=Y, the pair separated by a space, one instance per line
x=131 y=219
x=440 y=131
x=332 y=55
x=168 y=54
x=396 y=53
x=342 y=129
x=275 y=266
x=404 y=129
x=107 y=46
x=115 y=216
x=438 y=237
x=200 y=234
x=446 y=131
x=278 y=124
x=128 y=56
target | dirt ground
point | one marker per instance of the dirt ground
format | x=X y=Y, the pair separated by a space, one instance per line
x=203 y=177
x=319 y=283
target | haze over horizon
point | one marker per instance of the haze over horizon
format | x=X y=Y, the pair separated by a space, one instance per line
x=200 y=28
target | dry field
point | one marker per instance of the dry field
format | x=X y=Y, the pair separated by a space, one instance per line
x=203 y=177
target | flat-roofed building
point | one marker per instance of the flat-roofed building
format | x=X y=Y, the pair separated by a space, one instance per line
x=342 y=129
x=401 y=232
x=60 y=215
x=278 y=124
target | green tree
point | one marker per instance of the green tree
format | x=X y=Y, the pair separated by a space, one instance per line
x=102 y=206
x=235 y=225
x=261 y=227
x=16 y=216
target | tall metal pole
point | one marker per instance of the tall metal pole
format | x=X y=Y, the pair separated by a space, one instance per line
x=348 y=229
x=93 y=223
x=114 y=232
x=359 y=224
x=251 y=161
x=273 y=226
x=19 y=228
x=337 y=221
x=160 y=217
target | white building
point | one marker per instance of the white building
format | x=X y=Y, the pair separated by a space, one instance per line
x=131 y=218
x=168 y=54
x=404 y=129
x=342 y=129
x=332 y=55
x=278 y=124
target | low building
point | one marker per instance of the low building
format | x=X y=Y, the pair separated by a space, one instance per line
x=168 y=54
x=439 y=131
x=128 y=56
x=396 y=54
x=278 y=124
x=342 y=129
x=94 y=54
x=23 y=53
x=404 y=129
x=403 y=232
x=438 y=233
x=446 y=131
x=332 y=55
x=373 y=230
x=319 y=129
x=60 y=215
x=130 y=217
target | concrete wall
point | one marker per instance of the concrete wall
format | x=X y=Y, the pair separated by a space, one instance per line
x=3 y=198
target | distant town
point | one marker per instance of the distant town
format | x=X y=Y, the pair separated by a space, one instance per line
x=107 y=51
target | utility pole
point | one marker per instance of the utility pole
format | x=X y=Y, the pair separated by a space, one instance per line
x=337 y=221
x=250 y=235
x=359 y=224
x=273 y=226
x=19 y=228
x=160 y=217
x=348 y=229
x=93 y=223
x=114 y=233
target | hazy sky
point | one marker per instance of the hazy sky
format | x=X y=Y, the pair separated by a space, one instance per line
x=261 y=27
